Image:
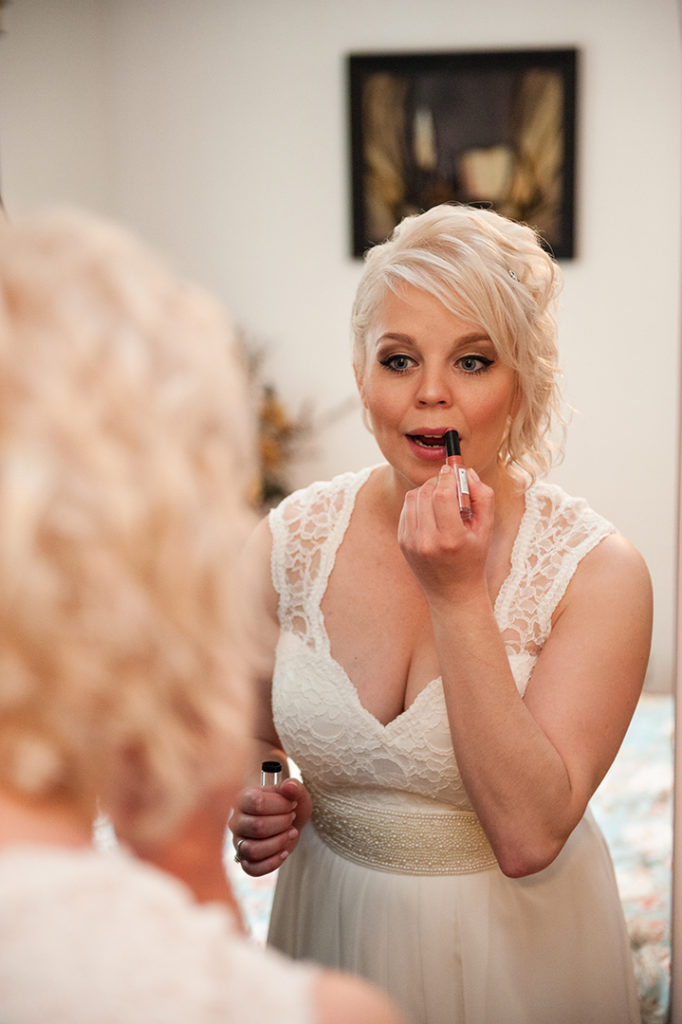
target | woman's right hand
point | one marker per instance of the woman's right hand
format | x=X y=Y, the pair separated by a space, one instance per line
x=266 y=824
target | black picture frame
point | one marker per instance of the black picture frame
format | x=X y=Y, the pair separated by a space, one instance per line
x=493 y=128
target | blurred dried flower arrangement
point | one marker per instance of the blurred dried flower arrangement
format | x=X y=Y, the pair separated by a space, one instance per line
x=283 y=437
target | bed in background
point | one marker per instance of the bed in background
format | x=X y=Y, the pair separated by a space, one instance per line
x=634 y=809
x=633 y=806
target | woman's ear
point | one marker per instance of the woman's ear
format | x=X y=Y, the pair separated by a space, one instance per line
x=359 y=382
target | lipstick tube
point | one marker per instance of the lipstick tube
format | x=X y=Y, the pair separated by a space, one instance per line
x=270 y=773
x=454 y=459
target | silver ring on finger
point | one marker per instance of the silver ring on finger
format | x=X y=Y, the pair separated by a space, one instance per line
x=238 y=854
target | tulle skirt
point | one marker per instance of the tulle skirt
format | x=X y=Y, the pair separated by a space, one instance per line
x=475 y=948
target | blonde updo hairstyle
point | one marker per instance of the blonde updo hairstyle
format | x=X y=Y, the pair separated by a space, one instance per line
x=125 y=455
x=491 y=272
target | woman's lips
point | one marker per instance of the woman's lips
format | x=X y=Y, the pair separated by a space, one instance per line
x=430 y=447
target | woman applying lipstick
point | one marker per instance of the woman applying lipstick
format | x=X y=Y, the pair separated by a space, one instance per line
x=453 y=690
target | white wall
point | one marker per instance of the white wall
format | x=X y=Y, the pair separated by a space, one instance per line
x=53 y=123
x=218 y=130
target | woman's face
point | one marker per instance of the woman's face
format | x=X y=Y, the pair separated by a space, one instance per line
x=427 y=371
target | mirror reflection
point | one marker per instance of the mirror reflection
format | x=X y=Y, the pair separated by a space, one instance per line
x=220 y=133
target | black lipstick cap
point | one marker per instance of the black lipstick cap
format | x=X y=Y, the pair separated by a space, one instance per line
x=452 y=443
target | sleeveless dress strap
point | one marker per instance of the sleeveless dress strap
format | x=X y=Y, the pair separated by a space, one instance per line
x=555 y=534
x=307 y=529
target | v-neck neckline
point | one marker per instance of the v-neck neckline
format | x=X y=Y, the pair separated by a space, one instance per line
x=515 y=558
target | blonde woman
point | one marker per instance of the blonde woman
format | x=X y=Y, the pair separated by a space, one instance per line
x=453 y=690
x=125 y=455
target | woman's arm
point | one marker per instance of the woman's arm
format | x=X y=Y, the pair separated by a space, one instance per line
x=266 y=823
x=529 y=765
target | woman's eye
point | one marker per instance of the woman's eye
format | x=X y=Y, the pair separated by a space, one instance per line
x=474 y=364
x=397 y=363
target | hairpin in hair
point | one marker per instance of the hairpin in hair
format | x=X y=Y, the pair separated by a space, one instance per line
x=512 y=275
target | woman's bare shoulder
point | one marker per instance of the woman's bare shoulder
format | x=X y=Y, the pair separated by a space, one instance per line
x=614 y=563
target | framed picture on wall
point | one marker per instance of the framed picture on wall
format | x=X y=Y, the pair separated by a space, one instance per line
x=494 y=128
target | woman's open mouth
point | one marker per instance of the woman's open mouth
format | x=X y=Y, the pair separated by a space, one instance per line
x=428 y=446
x=428 y=440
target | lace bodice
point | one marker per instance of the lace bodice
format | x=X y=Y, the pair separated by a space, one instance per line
x=323 y=726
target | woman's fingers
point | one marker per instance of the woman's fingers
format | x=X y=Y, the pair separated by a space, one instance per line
x=266 y=825
x=261 y=856
x=263 y=842
x=445 y=552
x=303 y=801
x=261 y=814
x=258 y=802
x=430 y=513
x=446 y=513
x=258 y=827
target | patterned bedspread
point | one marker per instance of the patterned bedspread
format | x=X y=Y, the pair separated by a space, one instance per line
x=633 y=806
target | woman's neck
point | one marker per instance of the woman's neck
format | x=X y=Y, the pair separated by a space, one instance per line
x=30 y=822
x=390 y=490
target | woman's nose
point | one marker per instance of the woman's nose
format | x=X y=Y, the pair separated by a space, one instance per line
x=434 y=389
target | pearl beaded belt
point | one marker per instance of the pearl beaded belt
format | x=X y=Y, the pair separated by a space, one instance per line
x=407 y=842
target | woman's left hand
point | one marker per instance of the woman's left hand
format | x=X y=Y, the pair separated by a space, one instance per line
x=445 y=553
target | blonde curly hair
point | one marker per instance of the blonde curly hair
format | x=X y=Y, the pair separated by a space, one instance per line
x=492 y=272
x=126 y=451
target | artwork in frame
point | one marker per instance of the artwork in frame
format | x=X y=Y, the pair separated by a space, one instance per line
x=494 y=128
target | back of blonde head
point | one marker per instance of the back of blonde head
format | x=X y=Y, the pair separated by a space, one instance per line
x=125 y=454
x=494 y=273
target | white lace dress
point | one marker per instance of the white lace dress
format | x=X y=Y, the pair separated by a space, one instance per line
x=394 y=879
x=92 y=938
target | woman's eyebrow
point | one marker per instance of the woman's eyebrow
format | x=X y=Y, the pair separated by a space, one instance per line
x=468 y=339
